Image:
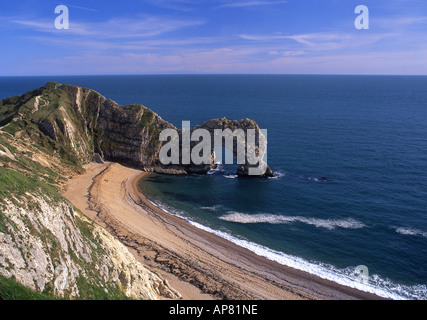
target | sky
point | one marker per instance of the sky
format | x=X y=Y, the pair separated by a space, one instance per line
x=213 y=37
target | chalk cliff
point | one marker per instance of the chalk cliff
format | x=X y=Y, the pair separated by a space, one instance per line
x=49 y=247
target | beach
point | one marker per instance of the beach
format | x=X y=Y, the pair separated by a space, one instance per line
x=198 y=264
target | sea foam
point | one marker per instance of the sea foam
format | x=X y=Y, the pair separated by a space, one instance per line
x=411 y=232
x=330 y=224
x=231 y=176
x=278 y=175
x=347 y=277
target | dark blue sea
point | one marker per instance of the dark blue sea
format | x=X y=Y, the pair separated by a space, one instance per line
x=350 y=157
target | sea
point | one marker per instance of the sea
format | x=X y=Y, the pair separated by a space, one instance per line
x=348 y=201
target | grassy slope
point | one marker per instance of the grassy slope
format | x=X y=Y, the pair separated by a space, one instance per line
x=24 y=173
x=10 y=289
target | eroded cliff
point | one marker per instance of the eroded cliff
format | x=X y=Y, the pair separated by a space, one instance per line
x=46 y=136
x=78 y=123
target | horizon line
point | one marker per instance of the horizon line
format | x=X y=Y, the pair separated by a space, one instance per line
x=214 y=74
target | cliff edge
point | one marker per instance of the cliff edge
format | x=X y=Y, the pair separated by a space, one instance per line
x=81 y=124
x=47 y=135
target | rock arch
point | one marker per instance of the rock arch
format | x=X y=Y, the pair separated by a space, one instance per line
x=244 y=138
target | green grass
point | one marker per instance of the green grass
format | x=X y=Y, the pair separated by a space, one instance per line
x=13 y=183
x=89 y=291
x=24 y=105
x=5 y=143
x=146 y=118
x=14 y=126
x=3 y=226
x=10 y=289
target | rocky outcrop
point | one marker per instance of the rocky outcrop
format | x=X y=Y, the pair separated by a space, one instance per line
x=130 y=134
x=79 y=122
x=51 y=248
x=243 y=138
x=255 y=149
x=48 y=129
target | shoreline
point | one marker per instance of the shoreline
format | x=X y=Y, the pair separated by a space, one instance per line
x=197 y=263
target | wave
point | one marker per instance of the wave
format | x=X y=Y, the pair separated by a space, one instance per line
x=231 y=176
x=411 y=232
x=329 y=224
x=212 y=208
x=348 y=277
x=278 y=175
x=219 y=168
x=319 y=179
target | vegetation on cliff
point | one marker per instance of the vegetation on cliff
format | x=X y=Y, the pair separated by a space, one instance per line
x=47 y=136
x=48 y=249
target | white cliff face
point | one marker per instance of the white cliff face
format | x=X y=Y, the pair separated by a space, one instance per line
x=52 y=248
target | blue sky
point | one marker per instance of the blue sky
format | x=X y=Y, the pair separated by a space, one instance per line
x=213 y=36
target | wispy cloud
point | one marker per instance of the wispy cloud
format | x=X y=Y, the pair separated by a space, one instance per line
x=228 y=60
x=319 y=41
x=129 y=45
x=287 y=53
x=120 y=28
x=189 y=61
x=398 y=22
x=81 y=8
x=307 y=39
x=184 y=36
x=240 y=4
x=176 y=5
x=48 y=26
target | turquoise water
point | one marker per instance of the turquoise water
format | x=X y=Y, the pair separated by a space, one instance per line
x=350 y=156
